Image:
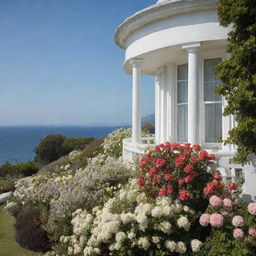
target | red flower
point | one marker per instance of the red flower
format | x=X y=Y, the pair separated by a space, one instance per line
x=196 y=147
x=168 y=177
x=141 y=181
x=167 y=170
x=180 y=161
x=187 y=145
x=203 y=155
x=185 y=153
x=159 y=177
x=169 y=190
x=153 y=183
x=160 y=163
x=208 y=191
x=184 y=195
x=162 y=192
x=157 y=148
x=188 y=168
x=143 y=162
x=152 y=172
x=181 y=182
x=232 y=186
x=211 y=156
x=193 y=160
x=217 y=175
x=188 y=179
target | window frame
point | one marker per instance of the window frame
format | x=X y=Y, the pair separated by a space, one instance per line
x=202 y=103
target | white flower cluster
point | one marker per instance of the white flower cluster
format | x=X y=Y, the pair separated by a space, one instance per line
x=125 y=223
x=74 y=154
x=113 y=143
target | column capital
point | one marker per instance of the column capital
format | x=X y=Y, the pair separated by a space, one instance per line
x=159 y=71
x=192 y=47
x=135 y=62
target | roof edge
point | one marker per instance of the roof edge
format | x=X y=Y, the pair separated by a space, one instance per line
x=157 y=12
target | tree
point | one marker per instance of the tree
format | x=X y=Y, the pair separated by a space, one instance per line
x=238 y=74
x=49 y=149
x=70 y=144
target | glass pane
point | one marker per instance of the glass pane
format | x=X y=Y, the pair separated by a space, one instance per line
x=183 y=72
x=209 y=91
x=182 y=92
x=209 y=69
x=213 y=122
x=182 y=119
x=210 y=80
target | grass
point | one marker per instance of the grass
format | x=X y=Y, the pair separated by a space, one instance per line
x=8 y=245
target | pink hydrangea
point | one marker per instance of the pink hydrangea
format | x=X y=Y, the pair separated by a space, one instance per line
x=204 y=219
x=215 y=201
x=252 y=208
x=238 y=233
x=238 y=221
x=227 y=202
x=216 y=220
x=252 y=232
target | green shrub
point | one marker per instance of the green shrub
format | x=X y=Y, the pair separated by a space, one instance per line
x=7 y=169
x=27 y=168
x=7 y=183
x=70 y=144
x=52 y=147
x=49 y=149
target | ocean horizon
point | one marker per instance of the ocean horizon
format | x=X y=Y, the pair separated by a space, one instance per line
x=17 y=142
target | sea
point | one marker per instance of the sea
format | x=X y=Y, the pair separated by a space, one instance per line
x=17 y=143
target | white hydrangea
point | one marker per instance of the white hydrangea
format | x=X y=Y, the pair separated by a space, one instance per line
x=196 y=245
x=156 y=239
x=120 y=237
x=180 y=247
x=170 y=245
x=143 y=243
x=183 y=222
x=156 y=212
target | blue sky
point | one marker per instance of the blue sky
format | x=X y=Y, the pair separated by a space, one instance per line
x=59 y=63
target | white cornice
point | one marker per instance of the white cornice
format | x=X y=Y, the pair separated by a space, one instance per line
x=157 y=12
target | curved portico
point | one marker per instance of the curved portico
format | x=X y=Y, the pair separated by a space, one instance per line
x=179 y=42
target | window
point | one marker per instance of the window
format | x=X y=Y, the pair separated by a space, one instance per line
x=212 y=102
x=182 y=103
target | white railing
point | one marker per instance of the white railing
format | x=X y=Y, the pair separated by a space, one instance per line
x=130 y=149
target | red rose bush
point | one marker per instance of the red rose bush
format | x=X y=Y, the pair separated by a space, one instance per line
x=175 y=170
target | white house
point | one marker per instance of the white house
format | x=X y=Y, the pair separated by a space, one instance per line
x=179 y=42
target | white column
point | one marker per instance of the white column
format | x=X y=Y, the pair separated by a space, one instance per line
x=193 y=89
x=157 y=108
x=136 y=118
x=164 y=122
x=171 y=84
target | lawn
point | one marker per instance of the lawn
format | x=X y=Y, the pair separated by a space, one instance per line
x=8 y=245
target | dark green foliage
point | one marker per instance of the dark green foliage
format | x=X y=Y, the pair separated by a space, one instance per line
x=24 y=169
x=7 y=183
x=238 y=74
x=49 y=149
x=70 y=144
x=222 y=243
x=52 y=147
x=9 y=173
x=29 y=233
